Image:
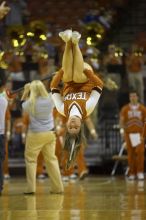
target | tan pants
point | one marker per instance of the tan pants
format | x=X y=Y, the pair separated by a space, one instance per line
x=44 y=142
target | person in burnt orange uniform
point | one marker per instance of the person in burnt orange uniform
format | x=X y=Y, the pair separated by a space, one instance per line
x=81 y=89
x=132 y=120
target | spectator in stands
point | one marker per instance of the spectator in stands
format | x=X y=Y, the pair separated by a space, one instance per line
x=112 y=63
x=46 y=67
x=135 y=62
x=4 y=10
x=132 y=119
x=17 y=13
x=91 y=16
x=15 y=71
x=37 y=112
x=103 y=16
x=106 y=17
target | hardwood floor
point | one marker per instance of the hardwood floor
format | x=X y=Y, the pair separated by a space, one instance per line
x=95 y=198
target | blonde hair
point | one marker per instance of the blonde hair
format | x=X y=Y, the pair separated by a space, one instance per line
x=37 y=89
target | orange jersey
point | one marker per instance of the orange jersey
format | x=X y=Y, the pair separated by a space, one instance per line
x=113 y=60
x=134 y=64
x=133 y=118
x=79 y=100
x=77 y=93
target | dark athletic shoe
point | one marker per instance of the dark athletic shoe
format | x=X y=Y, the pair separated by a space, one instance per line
x=29 y=193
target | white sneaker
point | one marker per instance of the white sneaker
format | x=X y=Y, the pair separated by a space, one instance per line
x=66 y=35
x=6 y=176
x=131 y=177
x=41 y=176
x=65 y=178
x=75 y=37
x=140 y=176
x=73 y=176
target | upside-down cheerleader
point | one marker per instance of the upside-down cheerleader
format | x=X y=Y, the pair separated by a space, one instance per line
x=81 y=89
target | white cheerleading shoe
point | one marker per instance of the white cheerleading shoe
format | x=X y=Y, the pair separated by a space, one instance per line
x=132 y=177
x=66 y=35
x=75 y=37
x=140 y=176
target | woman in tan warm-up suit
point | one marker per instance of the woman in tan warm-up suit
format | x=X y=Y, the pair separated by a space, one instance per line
x=37 y=110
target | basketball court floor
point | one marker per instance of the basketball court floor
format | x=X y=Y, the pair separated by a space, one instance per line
x=95 y=198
